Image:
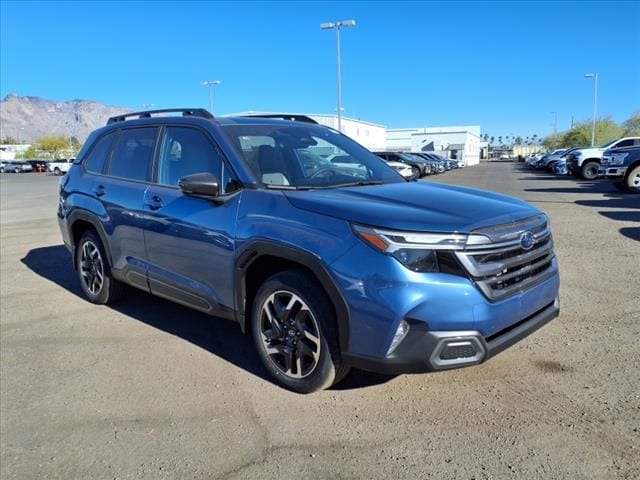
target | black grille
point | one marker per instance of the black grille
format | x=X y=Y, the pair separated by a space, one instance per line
x=451 y=352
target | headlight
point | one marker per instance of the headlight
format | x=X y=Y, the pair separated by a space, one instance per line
x=416 y=251
x=617 y=159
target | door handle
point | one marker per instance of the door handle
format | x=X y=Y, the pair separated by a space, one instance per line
x=99 y=190
x=154 y=203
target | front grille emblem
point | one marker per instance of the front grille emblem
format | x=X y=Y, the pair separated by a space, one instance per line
x=527 y=240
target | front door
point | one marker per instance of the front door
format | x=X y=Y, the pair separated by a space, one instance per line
x=189 y=240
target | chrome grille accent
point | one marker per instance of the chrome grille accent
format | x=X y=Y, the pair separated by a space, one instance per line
x=501 y=267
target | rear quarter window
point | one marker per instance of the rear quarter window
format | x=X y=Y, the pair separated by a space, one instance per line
x=95 y=161
x=133 y=154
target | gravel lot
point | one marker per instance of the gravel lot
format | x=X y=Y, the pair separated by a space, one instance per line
x=149 y=389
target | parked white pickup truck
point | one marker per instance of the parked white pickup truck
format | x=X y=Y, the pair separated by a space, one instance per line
x=60 y=167
x=584 y=162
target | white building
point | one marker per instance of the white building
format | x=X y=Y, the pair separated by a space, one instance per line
x=369 y=135
x=9 y=152
x=459 y=142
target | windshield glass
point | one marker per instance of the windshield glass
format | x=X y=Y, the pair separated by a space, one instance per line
x=307 y=156
x=605 y=145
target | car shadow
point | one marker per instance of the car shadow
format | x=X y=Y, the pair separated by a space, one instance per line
x=578 y=187
x=614 y=200
x=622 y=215
x=218 y=336
x=631 y=232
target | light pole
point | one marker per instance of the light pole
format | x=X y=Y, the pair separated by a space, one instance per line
x=209 y=84
x=337 y=26
x=555 y=122
x=595 y=105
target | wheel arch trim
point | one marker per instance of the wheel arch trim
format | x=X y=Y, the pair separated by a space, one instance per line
x=257 y=249
x=94 y=221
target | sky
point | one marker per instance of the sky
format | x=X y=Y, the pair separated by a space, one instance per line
x=506 y=66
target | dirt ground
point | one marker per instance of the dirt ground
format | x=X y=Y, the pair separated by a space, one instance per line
x=149 y=389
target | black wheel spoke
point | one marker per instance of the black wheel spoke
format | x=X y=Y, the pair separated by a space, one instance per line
x=290 y=334
x=91 y=267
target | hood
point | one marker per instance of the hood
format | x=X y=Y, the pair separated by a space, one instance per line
x=414 y=206
x=588 y=151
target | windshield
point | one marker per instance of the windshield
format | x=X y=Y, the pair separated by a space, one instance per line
x=307 y=156
x=605 y=145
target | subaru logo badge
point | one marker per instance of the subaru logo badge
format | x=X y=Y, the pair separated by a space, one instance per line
x=527 y=240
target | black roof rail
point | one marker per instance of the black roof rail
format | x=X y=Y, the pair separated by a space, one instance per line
x=186 y=112
x=282 y=116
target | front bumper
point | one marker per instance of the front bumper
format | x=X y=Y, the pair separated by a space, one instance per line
x=426 y=351
x=612 y=172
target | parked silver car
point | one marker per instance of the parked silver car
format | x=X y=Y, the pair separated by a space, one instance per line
x=15 y=167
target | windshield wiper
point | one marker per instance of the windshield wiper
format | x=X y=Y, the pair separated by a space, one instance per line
x=353 y=184
x=281 y=187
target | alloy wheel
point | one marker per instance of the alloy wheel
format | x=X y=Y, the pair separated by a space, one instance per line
x=635 y=179
x=91 y=267
x=290 y=334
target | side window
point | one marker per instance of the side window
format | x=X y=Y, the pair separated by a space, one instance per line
x=95 y=161
x=133 y=154
x=186 y=151
x=624 y=143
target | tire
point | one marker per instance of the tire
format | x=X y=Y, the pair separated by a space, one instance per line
x=304 y=370
x=57 y=171
x=589 y=170
x=17 y=170
x=632 y=180
x=94 y=272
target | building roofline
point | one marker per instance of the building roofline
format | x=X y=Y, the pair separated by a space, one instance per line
x=253 y=112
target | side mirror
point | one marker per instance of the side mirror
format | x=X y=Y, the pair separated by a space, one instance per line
x=200 y=185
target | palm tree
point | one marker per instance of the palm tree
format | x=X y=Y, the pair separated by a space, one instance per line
x=518 y=140
x=500 y=140
x=493 y=139
x=534 y=137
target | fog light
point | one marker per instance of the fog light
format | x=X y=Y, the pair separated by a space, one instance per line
x=401 y=332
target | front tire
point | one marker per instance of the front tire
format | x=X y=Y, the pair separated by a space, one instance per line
x=94 y=272
x=632 y=181
x=57 y=171
x=589 y=171
x=293 y=328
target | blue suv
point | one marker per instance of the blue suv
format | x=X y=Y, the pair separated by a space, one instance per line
x=325 y=255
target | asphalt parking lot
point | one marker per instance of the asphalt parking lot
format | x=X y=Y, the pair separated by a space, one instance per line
x=149 y=389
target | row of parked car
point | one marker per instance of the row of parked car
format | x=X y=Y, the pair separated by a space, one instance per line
x=414 y=165
x=58 y=167
x=617 y=161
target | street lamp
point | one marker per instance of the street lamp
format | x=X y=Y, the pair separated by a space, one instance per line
x=555 y=122
x=595 y=105
x=337 y=26
x=209 y=84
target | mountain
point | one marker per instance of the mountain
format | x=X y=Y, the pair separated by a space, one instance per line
x=27 y=118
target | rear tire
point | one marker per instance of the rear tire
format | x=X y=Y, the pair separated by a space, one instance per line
x=94 y=272
x=57 y=171
x=632 y=181
x=589 y=170
x=293 y=328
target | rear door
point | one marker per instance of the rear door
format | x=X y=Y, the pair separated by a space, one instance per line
x=121 y=192
x=190 y=241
